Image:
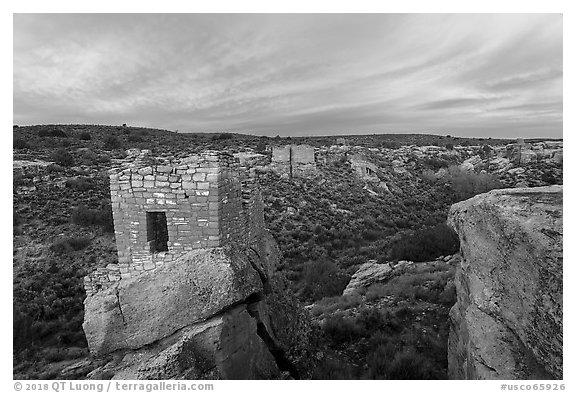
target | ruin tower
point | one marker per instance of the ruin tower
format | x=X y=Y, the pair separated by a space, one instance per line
x=164 y=210
x=294 y=160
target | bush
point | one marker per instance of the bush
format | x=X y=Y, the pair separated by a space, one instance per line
x=221 y=137
x=68 y=245
x=404 y=365
x=323 y=278
x=261 y=147
x=426 y=244
x=62 y=157
x=81 y=183
x=52 y=133
x=112 y=143
x=467 y=184
x=436 y=163
x=135 y=138
x=20 y=144
x=549 y=177
x=99 y=217
x=448 y=295
x=371 y=319
x=332 y=369
x=341 y=330
x=85 y=136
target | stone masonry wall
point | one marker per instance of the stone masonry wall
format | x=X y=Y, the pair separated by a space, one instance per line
x=360 y=164
x=294 y=160
x=205 y=205
x=303 y=162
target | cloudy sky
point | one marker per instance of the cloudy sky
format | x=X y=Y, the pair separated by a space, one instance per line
x=293 y=74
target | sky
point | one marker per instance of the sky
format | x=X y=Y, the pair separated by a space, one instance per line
x=484 y=75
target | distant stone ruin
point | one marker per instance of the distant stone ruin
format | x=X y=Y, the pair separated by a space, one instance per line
x=363 y=168
x=522 y=153
x=294 y=160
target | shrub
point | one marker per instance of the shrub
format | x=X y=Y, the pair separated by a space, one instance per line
x=404 y=365
x=62 y=157
x=84 y=216
x=426 y=244
x=52 y=133
x=370 y=319
x=85 y=136
x=221 y=137
x=112 y=143
x=323 y=278
x=24 y=330
x=467 y=184
x=549 y=177
x=80 y=183
x=67 y=245
x=341 y=330
x=20 y=144
x=436 y=163
x=261 y=147
x=332 y=369
x=135 y=138
x=448 y=295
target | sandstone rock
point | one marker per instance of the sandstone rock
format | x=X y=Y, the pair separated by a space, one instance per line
x=516 y=171
x=470 y=163
x=507 y=322
x=499 y=164
x=143 y=309
x=367 y=274
x=226 y=346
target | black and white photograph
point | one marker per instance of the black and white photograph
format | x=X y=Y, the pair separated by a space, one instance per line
x=286 y=196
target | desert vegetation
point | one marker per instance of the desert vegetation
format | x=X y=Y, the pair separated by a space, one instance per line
x=326 y=227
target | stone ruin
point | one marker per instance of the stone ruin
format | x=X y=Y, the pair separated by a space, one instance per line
x=162 y=211
x=293 y=160
x=363 y=168
x=195 y=293
x=522 y=153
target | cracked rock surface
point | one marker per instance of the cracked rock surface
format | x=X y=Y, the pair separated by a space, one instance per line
x=211 y=314
x=507 y=322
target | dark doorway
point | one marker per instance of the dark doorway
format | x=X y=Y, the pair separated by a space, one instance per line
x=157 y=231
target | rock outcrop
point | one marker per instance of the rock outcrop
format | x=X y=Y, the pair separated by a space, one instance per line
x=372 y=273
x=507 y=322
x=212 y=313
x=141 y=310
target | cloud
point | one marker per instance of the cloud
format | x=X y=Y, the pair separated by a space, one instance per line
x=293 y=74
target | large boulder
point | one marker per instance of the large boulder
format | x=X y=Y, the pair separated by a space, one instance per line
x=226 y=346
x=507 y=322
x=143 y=309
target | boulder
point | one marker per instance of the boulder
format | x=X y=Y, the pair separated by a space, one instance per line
x=143 y=309
x=470 y=163
x=507 y=321
x=372 y=272
x=368 y=274
x=499 y=164
x=226 y=346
